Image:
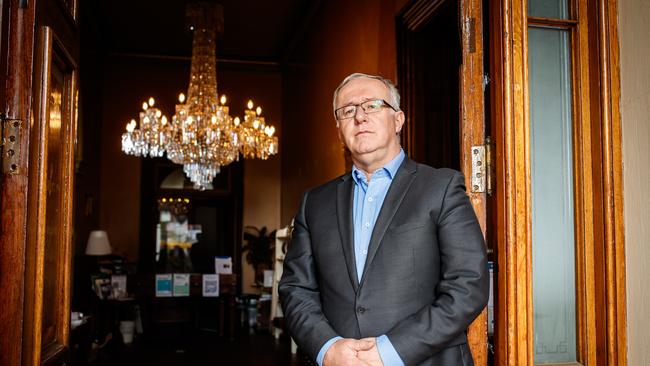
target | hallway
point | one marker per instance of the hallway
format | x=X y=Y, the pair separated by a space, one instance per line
x=541 y=105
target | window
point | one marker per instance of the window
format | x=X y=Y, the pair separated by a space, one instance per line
x=551 y=155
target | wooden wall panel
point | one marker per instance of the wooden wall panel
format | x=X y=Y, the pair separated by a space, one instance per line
x=334 y=45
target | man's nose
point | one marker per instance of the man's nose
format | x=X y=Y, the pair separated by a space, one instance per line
x=360 y=115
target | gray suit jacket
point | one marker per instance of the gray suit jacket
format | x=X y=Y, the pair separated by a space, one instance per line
x=425 y=277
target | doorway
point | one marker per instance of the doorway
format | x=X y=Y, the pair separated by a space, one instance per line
x=433 y=97
x=441 y=78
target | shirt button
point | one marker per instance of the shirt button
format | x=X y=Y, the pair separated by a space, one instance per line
x=370 y=199
x=361 y=310
x=364 y=252
x=367 y=224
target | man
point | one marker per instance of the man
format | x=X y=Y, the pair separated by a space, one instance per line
x=387 y=263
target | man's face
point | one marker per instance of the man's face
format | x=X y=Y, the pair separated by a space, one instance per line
x=370 y=137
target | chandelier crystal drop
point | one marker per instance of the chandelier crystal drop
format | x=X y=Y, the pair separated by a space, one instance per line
x=201 y=136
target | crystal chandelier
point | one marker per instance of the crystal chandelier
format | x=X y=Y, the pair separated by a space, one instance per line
x=201 y=136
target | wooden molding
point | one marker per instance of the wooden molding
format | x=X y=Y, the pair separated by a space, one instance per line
x=583 y=187
x=612 y=182
x=419 y=13
x=37 y=199
x=514 y=336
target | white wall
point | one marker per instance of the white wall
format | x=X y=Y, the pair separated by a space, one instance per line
x=634 y=35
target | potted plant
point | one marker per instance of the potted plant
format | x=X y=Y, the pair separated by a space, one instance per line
x=259 y=247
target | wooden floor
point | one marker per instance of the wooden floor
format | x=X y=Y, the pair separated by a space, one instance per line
x=205 y=349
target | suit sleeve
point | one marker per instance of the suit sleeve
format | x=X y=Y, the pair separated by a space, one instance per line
x=463 y=289
x=299 y=292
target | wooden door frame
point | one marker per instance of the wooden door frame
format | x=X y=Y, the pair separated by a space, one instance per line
x=600 y=248
x=18 y=41
x=472 y=116
x=472 y=131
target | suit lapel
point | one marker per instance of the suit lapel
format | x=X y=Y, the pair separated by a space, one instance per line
x=394 y=197
x=344 y=198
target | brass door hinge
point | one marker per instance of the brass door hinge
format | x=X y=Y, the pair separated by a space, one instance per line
x=10 y=145
x=483 y=168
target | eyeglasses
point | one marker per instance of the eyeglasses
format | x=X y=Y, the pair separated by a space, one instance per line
x=369 y=106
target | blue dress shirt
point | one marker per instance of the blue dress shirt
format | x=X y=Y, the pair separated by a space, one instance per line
x=368 y=199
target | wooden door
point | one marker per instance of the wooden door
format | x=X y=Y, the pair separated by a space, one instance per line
x=49 y=241
x=594 y=126
x=40 y=44
x=440 y=44
x=17 y=43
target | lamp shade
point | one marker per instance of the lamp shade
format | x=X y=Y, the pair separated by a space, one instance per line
x=98 y=243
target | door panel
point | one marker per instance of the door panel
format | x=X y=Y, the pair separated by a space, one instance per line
x=47 y=309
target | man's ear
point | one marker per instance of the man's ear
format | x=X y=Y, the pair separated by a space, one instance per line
x=399 y=121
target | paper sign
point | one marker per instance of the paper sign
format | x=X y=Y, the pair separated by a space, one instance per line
x=164 y=285
x=211 y=285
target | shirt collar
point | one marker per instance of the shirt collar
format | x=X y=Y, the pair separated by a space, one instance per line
x=390 y=169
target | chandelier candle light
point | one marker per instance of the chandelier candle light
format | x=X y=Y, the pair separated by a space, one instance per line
x=201 y=136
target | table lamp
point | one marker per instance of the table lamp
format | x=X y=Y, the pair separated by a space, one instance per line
x=98 y=243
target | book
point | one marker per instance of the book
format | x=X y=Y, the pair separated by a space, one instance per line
x=164 y=285
x=181 y=284
x=211 y=285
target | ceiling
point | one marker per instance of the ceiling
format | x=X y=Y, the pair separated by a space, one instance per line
x=259 y=30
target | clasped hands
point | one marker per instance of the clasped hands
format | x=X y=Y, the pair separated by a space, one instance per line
x=353 y=352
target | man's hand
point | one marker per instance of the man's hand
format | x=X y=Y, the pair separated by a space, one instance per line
x=370 y=355
x=344 y=352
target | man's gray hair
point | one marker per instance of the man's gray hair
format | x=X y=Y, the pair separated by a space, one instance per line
x=394 y=97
